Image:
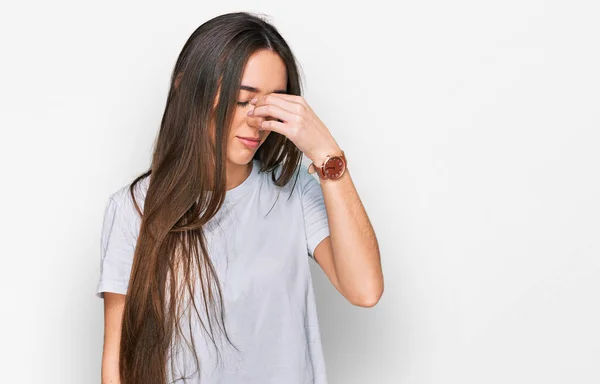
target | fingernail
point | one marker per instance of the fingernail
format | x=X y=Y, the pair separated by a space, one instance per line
x=253 y=101
x=250 y=112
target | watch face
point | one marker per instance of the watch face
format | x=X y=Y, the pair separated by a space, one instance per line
x=334 y=168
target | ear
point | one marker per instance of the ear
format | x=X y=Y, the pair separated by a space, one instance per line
x=178 y=79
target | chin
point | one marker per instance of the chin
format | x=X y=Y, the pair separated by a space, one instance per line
x=241 y=158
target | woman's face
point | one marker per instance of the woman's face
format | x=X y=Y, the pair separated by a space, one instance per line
x=264 y=73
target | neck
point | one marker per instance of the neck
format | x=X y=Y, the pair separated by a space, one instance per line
x=237 y=174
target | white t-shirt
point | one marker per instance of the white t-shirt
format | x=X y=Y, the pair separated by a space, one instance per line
x=260 y=243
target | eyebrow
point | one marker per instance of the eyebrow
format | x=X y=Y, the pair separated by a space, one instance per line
x=256 y=90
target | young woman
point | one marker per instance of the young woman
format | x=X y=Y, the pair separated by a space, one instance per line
x=204 y=268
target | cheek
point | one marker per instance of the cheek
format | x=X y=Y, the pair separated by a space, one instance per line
x=239 y=120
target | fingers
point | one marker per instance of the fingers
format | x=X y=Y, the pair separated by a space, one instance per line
x=291 y=103
x=255 y=122
x=274 y=125
x=273 y=111
x=283 y=96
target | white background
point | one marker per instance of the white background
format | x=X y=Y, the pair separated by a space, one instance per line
x=472 y=133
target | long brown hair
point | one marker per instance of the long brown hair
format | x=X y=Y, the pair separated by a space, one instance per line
x=187 y=188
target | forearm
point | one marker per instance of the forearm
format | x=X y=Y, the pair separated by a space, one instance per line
x=114 y=305
x=354 y=243
x=110 y=369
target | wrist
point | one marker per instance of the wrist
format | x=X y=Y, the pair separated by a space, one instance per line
x=322 y=155
x=333 y=165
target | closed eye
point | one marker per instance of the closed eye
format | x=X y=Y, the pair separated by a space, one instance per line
x=243 y=103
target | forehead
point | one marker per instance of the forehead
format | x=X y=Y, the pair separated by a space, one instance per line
x=266 y=71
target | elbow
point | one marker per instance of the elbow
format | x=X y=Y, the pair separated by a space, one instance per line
x=368 y=300
x=365 y=291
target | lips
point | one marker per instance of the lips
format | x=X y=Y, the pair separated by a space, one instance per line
x=250 y=138
x=249 y=142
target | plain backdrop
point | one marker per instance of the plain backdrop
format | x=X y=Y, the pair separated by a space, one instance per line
x=472 y=130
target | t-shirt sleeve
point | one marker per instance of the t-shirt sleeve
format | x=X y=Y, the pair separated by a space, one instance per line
x=313 y=206
x=117 y=244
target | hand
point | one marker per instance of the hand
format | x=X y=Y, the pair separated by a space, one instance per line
x=297 y=121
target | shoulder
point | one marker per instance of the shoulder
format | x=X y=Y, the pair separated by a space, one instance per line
x=122 y=197
x=306 y=181
x=121 y=208
x=301 y=180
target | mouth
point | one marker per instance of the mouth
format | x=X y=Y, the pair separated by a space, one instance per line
x=250 y=142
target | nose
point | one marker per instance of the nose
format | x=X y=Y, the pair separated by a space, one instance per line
x=254 y=122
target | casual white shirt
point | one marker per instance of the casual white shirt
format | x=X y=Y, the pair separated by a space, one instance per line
x=260 y=243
